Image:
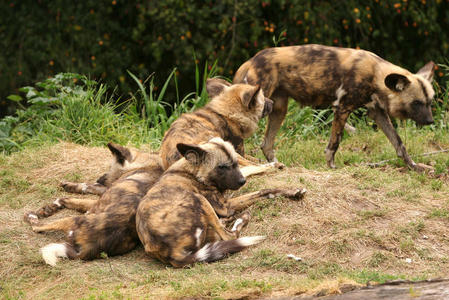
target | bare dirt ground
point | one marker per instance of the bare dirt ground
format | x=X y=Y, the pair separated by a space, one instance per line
x=354 y=225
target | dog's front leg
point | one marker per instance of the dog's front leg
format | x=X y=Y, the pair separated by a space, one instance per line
x=84 y=188
x=383 y=121
x=213 y=221
x=338 y=124
x=245 y=201
x=275 y=119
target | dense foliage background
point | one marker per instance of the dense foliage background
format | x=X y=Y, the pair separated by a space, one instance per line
x=106 y=38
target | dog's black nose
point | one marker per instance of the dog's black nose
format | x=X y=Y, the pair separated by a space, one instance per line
x=429 y=121
x=242 y=181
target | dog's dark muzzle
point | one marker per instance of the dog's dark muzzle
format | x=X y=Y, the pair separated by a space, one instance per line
x=267 y=108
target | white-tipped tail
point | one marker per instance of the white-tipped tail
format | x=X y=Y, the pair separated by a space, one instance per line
x=218 y=250
x=51 y=252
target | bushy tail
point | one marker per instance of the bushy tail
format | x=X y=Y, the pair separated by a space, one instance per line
x=218 y=250
x=51 y=252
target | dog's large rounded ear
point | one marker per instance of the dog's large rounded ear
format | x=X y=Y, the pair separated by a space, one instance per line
x=193 y=153
x=396 y=82
x=427 y=71
x=249 y=97
x=215 y=86
x=120 y=153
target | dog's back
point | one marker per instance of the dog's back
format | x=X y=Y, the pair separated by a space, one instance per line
x=232 y=114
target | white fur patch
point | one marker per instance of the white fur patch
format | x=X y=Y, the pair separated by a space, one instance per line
x=339 y=93
x=228 y=146
x=245 y=80
x=70 y=233
x=57 y=202
x=198 y=236
x=427 y=85
x=374 y=100
x=236 y=224
x=250 y=240
x=51 y=252
x=203 y=253
x=138 y=176
x=32 y=216
x=83 y=187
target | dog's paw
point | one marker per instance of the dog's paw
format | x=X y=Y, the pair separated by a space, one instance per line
x=76 y=188
x=31 y=218
x=279 y=165
x=423 y=168
x=297 y=194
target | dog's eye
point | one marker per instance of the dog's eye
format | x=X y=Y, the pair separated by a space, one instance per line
x=223 y=167
x=417 y=103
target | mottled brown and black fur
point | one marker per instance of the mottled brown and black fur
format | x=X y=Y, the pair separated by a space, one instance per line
x=176 y=222
x=345 y=79
x=232 y=114
x=109 y=224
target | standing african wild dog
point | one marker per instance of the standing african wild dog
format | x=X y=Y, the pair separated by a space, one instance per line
x=175 y=221
x=345 y=79
x=109 y=225
x=232 y=114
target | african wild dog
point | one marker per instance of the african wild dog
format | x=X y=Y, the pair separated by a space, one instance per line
x=232 y=114
x=109 y=226
x=175 y=220
x=345 y=79
x=125 y=160
x=109 y=223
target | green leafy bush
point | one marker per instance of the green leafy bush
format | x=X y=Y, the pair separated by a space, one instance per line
x=106 y=38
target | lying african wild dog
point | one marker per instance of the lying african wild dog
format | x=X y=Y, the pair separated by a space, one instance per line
x=125 y=160
x=175 y=221
x=232 y=114
x=109 y=225
x=347 y=79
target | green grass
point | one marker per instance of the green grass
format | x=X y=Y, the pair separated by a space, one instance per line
x=356 y=223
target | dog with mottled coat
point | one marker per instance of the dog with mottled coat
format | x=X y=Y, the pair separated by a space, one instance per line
x=344 y=79
x=108 y=225
x=176 y=222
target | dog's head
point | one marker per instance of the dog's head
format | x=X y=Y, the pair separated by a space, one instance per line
x=214 y=163
x=410 y=95
x=126 y=160
x=242 y=103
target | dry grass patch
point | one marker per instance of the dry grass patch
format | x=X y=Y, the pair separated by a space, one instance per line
x=355 y=224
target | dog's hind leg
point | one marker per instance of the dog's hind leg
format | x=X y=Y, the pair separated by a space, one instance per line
x=258 y=169
x=213 y=221
x=244 y=201
x=63 y=224
x=338 y=124
x=84 y=188
x=81 y=205
x=275 y=119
